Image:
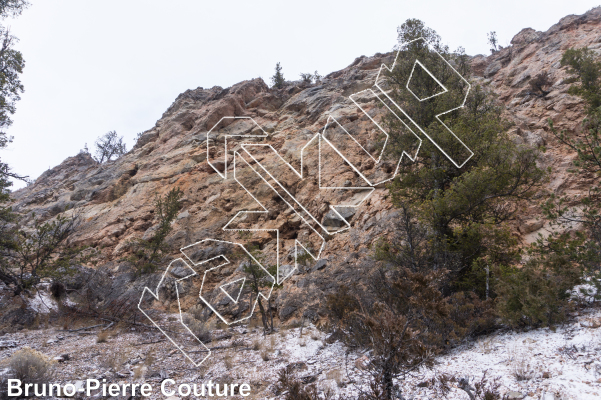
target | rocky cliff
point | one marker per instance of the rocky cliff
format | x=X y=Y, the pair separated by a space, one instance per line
x=115 y=200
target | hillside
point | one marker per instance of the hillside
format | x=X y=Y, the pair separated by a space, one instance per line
x=191 y=146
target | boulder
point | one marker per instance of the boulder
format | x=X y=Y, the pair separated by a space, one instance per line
x=19 y=317
x=320 y=264
x=333 y=220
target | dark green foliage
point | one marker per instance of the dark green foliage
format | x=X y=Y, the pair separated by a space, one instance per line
x=539 y=293
x=452 y=236
x=11 y=67
x=307 y=78
x=29 y=254
x=278 y=78
x=454 y=218
x=341 y=303
x=542 y=291
x=260 y=280
x=149 y=253
x=586 y=71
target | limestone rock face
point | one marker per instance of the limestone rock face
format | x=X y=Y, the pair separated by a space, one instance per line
x=508 y=73
x=115 y=201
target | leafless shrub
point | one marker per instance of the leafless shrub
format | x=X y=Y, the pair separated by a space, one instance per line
x=482 y=389
x=31 y=366
x=108 y=146
x=520 y=369
x=539 y=83
x=293 y=389
x=113 y=361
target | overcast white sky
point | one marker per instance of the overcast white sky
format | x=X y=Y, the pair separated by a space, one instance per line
x=95 y=66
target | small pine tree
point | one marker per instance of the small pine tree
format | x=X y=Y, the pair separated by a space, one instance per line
x=317 y=77
x=259 y=280
x=148 y=253
x=493 y=41
x=278 y=78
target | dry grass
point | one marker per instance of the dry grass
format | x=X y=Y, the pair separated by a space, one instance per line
x=265 y=355
x=31 y=366
x=150 y=358
x=272 y=343
x=254 y=323
x=256 y=345
x=521 y=370
x=294 y=323
x=113 y=361
x=228 y=360
x=487 y=345
x=336 y=375
x=140 y=372
x=102 y=337
x=200 y=329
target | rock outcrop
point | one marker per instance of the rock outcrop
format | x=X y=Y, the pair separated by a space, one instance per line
x=115 y=200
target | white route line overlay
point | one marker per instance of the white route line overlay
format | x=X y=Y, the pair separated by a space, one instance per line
x=320 y=137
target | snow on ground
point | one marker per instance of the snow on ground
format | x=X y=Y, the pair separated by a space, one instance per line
x=565 y=362
x=43 y=303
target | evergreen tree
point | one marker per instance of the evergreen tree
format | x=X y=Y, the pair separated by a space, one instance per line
x=541 y=292
x=11 y=67
x=278 y=78
x=458 y=215
x=149 y=253
x=492 y=40
x=259 y=280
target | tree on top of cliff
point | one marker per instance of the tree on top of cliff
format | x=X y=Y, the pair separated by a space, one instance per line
x=278 y=78
x=452 y=229
x=108 y=146
x=493 y=41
